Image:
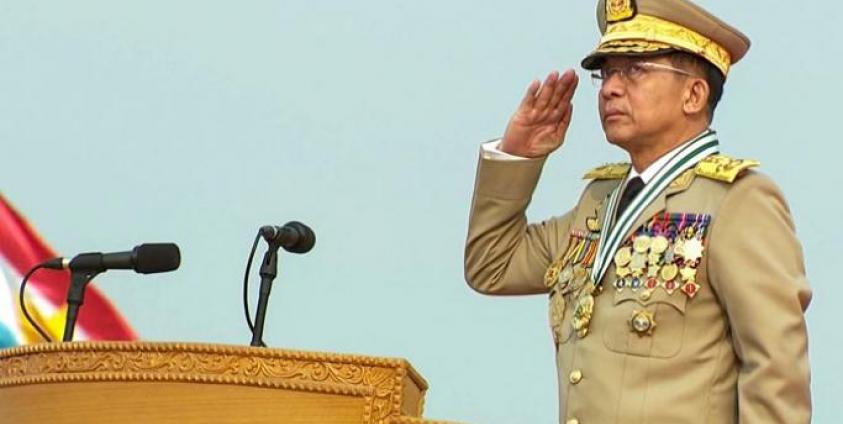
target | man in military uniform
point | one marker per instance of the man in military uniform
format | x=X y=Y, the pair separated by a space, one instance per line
x=676 y=285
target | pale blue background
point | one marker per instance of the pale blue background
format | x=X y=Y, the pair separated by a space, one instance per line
x=198 y=121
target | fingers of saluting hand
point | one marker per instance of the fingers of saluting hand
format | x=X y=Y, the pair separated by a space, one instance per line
x=544 y=98
x=547 y=91
x=567 y=86
x=564 y=104
x=564 y=122
x=529 y=99
x=563 y=88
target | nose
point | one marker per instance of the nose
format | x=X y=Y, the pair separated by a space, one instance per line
x=613 y=86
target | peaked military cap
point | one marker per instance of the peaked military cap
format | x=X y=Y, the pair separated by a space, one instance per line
x=648 y=27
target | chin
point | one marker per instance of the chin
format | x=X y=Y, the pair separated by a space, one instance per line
x=616 y=135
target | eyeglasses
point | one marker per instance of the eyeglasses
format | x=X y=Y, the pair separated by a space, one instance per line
x=633 y=72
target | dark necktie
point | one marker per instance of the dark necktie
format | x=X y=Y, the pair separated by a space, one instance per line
x=633 y=187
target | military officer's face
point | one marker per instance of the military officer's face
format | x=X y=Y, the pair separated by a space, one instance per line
x=641 y=100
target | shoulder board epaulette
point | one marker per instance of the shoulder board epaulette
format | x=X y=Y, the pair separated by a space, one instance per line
x=724 y=168
x=612 y=171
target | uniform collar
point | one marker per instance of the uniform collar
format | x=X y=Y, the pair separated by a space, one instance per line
x=647 y=174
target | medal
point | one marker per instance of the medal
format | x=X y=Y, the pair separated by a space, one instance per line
x=690 y=289
x=654 y=258
x=551 y=276
x=557 y=308
x=653 y=271
x=583 y=310
x=565 y=276
x=659 y=245
x=688 y=273
x=669 y=272
x=635 y=283
x=638 y=263
x=641 y=243
x=642 y=322
x=692 y=250
x=623 y=257
x=579 y=279
x=592 y=224
x=679 y=247
x=670 y=286
x=668 y=256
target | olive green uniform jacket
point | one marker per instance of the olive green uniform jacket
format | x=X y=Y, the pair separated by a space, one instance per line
x=736 y=352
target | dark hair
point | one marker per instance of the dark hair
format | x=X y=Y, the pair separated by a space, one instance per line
x=711 y=74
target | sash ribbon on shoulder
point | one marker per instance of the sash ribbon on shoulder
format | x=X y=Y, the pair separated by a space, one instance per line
x=611 y=236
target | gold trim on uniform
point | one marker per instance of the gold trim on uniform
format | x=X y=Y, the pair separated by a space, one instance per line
x=611 y=171
x=652 y=29
x=724 y=168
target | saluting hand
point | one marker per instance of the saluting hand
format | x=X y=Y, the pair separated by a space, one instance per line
x=539 y=125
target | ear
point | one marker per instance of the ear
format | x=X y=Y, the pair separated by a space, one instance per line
x=696 y=96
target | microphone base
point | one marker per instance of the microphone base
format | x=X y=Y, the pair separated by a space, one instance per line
x=75 y=298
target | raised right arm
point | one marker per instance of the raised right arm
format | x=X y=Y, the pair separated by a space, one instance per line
x=504 y=255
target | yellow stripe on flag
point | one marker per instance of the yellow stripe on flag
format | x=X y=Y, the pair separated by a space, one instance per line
x=53 y=326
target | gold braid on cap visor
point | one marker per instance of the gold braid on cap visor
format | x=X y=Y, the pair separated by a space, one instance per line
x=649 y=29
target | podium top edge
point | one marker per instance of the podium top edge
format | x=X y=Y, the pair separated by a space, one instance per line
x=221 y=349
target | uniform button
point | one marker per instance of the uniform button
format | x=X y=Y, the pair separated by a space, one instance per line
x=575 y=376
x=573 y=421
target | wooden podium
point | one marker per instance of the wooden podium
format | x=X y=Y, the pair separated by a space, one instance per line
x=119 y=382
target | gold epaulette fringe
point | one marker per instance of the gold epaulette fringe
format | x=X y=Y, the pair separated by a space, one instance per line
x=715 y=167
x=612 y=171
x=724 y=168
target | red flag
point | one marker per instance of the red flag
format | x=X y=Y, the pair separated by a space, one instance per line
x=22 y=248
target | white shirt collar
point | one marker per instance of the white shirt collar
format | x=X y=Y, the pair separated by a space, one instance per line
x=648 y=174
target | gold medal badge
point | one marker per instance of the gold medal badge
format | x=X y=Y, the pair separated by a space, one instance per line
x=642 y=322
x=557 y=312
x=620 y=10
x=583 y=310
x=551 y=276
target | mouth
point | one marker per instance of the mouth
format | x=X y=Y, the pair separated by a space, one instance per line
x=613 y=114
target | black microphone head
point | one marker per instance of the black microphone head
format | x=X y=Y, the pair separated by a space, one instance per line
x=306 y=238
x=150 y=258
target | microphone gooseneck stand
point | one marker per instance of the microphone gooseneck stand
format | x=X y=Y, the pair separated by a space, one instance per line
x=75 y=298
x=90 y=265
x=268 y=272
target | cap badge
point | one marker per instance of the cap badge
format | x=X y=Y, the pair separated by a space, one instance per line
x=620 y=10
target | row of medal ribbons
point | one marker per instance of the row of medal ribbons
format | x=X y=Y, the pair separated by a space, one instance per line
x=663 y=254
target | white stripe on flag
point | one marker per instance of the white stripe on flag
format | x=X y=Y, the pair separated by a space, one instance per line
x=8 y=306
x=10 y=281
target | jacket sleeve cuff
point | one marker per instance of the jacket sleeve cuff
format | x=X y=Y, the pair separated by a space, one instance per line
x=508 y=179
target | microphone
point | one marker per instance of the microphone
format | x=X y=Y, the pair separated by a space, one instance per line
x=149 y=258
x=294 y=236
